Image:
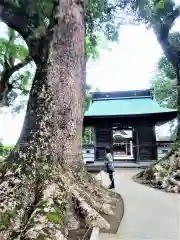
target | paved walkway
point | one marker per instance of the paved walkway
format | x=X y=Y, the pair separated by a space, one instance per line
x=149 y=214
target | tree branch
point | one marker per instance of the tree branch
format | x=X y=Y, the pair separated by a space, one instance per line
x=14 y=17
x=168 y=22
x=25 y=23
x=5 y=86
x=170 y=18
x=170 y=52
x=20 y=65
x=161 y=29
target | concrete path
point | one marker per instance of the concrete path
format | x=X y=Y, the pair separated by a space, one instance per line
x=149 y=214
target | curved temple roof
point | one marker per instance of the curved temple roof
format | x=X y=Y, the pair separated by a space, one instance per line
x=125 y=103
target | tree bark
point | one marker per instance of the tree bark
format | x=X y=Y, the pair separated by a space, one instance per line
x=55 y=110
x=178 y=104
x=43 y=183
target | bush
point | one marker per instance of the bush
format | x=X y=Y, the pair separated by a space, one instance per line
x=5 y=150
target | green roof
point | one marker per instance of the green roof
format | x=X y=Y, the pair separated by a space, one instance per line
x=125 y=106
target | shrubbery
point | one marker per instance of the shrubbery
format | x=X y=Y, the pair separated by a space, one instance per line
x=5 y=150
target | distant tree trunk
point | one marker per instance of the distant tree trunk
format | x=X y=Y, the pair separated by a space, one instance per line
x=43 y=183
x=167 y=175
x=178 y=103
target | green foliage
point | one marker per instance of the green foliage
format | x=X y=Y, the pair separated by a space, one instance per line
x=13 y=51
x=100 y=16
x=164 y=90
x=5 y=218
x=87 y=101
x=56 y=213
x=164 y=79
x=156 y=13
x=22 y=81
x=88 y=135
x=54 y=217
x=88 y=97
x=91 y=48
x=174 y=39
x=164 y=84
x=166 y=68
x=5 y=150
x=160 y=4
x=11 y=48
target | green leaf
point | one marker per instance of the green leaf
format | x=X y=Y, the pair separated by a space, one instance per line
x=17 y=3
x=54 y=217
x=159 y=4
x=18 y=51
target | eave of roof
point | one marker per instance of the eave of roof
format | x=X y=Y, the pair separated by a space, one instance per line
x=137 y=106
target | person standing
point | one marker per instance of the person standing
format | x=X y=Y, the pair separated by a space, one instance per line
x=109 y=167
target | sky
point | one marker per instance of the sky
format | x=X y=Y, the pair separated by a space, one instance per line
x=125 y=65
x=130 y=62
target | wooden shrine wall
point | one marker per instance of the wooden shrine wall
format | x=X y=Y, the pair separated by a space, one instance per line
x=146 y=149
x=103 y=139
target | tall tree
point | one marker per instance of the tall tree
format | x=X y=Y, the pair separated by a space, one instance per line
x=164 y=79
x=43 y=183
x=161 y=16
x=164 y=88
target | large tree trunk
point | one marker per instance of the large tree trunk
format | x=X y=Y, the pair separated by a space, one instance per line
x=178 y=105
x=43 y=183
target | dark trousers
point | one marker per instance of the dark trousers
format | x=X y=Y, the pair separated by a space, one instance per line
x=111 y=177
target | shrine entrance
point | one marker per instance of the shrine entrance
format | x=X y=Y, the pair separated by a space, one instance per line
x=125 y=122
x=122 y=143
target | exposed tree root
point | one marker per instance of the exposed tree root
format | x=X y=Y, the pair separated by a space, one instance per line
x=46 y=206
x=165 y=174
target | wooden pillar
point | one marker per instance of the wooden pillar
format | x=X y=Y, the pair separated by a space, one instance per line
x=136 y=151
x=146 y=142
x=131 y=148
x=103 y=139
x=155 y=145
